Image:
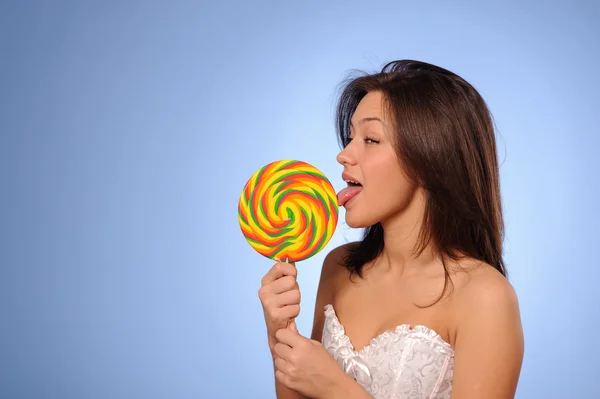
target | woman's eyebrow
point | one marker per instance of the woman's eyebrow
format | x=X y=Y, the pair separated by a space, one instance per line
x=368 y=119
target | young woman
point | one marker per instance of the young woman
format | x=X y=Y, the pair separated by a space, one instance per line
x=421 y=306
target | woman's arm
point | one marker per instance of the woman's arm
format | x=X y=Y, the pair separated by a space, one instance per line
x=324 y=295
x=489 y=342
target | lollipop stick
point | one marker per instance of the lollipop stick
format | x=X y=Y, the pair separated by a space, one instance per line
x=291 y=319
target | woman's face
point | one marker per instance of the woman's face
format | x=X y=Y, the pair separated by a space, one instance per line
x=383 y=191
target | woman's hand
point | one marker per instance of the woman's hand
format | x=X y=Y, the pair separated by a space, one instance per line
x=280 y=298
x=305 y=366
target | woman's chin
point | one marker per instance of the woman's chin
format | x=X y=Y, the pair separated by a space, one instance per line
x=356 y=223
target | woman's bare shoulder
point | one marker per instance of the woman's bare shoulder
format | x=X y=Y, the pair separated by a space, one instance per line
x=333 y=273
x=481 y=297
x=333 y=265
x=479 y=280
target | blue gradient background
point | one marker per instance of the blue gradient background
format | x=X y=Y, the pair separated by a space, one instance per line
x=127 y=131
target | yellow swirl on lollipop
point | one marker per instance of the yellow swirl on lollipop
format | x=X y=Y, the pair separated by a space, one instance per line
x=288 y=210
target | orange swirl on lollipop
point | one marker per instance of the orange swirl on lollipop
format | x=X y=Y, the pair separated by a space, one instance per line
x=288 y=210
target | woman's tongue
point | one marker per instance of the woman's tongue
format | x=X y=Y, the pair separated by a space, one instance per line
x=347 y=194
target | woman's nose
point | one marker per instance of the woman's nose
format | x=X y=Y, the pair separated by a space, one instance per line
x=341 y=157
x=344 y=157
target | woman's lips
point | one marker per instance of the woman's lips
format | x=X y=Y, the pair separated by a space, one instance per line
x=347 y=194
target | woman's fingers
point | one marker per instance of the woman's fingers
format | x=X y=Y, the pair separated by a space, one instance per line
x=279 y=270
x=291 y=297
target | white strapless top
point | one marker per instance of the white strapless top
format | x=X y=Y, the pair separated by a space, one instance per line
x=406 y=363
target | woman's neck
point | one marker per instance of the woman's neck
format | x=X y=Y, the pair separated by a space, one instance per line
x=401 y=235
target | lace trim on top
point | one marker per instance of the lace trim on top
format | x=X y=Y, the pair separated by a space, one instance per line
x=402 y=329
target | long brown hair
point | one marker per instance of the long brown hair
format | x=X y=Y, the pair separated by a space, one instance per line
x=446 y=142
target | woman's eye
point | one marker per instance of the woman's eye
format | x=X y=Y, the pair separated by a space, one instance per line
x=367 y=140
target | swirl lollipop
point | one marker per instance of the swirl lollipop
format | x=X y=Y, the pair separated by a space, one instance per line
x=288 y=211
